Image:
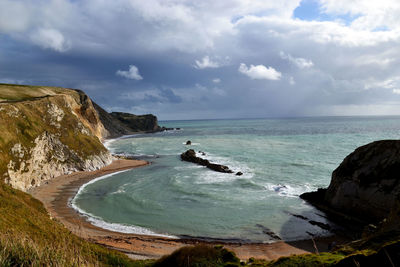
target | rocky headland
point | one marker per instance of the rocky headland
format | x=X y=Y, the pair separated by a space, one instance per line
x=50 y=131
x=366 y=185
x=120 y=123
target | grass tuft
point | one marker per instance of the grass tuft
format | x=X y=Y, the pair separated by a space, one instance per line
x=199 y=256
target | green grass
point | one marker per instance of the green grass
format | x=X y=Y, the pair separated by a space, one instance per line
x=199 y=256
x=15 y=92
x=29 y=237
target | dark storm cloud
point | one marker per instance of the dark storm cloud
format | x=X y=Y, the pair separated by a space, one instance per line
x=180 y=49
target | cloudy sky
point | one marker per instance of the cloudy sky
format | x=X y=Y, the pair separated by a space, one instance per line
x=194 y=59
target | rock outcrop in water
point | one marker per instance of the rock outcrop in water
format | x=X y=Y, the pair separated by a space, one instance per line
x=366 y=185
x=190 y=156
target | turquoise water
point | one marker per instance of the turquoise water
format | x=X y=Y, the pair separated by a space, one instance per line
x=280 y=159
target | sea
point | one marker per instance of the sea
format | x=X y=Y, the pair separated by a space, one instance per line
x=279 y=158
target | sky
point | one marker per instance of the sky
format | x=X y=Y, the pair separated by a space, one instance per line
x=207 y=59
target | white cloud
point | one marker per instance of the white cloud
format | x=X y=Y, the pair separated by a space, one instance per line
x=260 y=72
x=132 y=73
x=369 y=15
x=50 y=39
x=391 y=83
x=206 y=62
x=216 y=80
x=396 y=91
x=301 y=63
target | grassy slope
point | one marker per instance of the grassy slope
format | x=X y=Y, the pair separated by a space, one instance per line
x=28 y=236
x=14 y=92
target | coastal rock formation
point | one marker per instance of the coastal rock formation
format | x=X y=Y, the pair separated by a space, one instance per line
x=119 y=123
x=47 y=132
x=50 y=131
x=49 y=158
x=190 y=156
x=137 y=123
x=366 y=185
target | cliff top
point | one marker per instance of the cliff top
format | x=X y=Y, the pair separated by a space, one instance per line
x=15 y=92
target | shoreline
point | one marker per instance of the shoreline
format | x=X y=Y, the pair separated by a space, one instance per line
x=58 y=192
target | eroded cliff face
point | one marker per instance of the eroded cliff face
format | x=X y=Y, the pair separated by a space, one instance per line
x=45 y=136
x=366 y=185
x=367 y=182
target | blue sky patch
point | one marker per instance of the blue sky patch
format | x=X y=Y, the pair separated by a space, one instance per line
x=311 y=10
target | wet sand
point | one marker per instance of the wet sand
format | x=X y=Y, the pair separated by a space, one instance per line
x=57 y=193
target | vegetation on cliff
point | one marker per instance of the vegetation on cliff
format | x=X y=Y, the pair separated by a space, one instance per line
x=29 y=237
x=46 y=132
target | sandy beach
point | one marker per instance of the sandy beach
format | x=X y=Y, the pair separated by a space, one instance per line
x=57 y=193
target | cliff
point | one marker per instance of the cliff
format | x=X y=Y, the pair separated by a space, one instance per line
x=47 y=132
x=366 y=185
x=137 y=123
x=51 y=131
x=119 y=123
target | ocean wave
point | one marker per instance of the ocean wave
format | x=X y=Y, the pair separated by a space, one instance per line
x=121 y=189
x=289 y=190
x=249 y=184
x=116 y=227
x=107 y=143
x=302 y=164
x=210 y=177
x=169 y=131
x=192 y=144
x=135 y=155
x=186 y=167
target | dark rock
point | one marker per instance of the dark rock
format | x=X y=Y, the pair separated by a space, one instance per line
x=118 y=123
x=268 y=232
x=315 y=197
x=219 y=168
x=299 y=216
x=168 y=129
x=137 y=123
x=320 y=224
x=190 y=155
x=188 y=142
x=239 y=173
x=366 y=185
x=310 y=234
